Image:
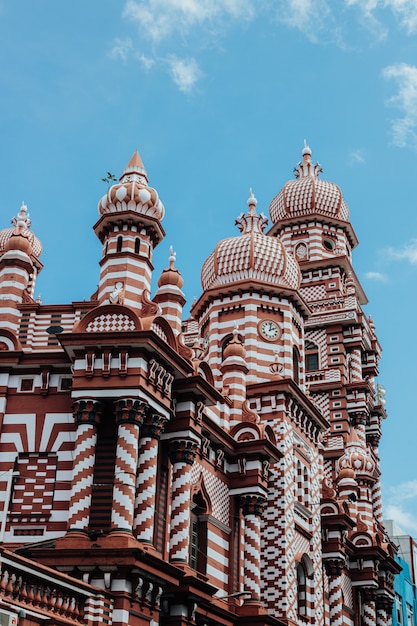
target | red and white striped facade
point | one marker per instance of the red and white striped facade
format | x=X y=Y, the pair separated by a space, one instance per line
x=220 y=469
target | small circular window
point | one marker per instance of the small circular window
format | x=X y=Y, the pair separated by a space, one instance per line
x=329 y=244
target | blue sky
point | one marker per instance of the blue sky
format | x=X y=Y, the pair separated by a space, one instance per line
x=218 y=96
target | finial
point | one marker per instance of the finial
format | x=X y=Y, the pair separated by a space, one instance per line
x=22 y=219
x=172 y=257
x=252 y=201
x=306 y=149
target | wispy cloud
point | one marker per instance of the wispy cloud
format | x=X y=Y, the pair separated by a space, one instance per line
x=185 y=73
x=377 y=276
x=121 y=49
x=357 y=156
x=408 y=252
x=406 y=13
x=396 y=506
x=404 y=128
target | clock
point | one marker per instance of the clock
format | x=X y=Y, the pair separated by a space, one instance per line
x=269 y=330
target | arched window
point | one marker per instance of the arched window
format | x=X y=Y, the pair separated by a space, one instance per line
x=305 y=591
x=119 y=244
x=311 y=356
x=137 y=245
x=301 y=590
x=198 y=533
x=295 y=365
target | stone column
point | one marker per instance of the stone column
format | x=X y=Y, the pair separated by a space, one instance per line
x=87 y=414
x=182 y=455
x=252 y=507
x=129 y=414
x=143 y=526
x=368 y=606
x=334 y=568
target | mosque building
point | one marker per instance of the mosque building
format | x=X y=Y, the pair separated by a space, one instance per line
x=215 y=470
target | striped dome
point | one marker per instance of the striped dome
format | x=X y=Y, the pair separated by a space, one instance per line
x=21 y=222
x=308 y=194
x=132 y=193
x=252 y=255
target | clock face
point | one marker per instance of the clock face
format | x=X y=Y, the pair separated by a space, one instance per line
x=269 y=330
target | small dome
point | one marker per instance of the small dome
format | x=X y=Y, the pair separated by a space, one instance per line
x=132 y=193
x=308 y=194
x=23 y=238
x=170 y=275
x=250 y=255
x=234 y=348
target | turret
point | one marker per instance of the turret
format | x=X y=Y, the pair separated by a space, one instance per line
x=129 y=229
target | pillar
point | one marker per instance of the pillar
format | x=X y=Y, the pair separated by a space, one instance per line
x=252 y=506
x=334 y=568
x=87 y=414
x=182 y=455
x=143 y=526
x=129 y=414
x=368 y=606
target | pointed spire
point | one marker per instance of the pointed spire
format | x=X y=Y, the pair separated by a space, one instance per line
x=134 y=170
x=306 y=167
x=251 y=222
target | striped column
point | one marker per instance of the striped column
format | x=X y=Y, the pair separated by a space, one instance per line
x=87 y=414
x=355 y=365
x=143 y=526
x=368 y=606
x=384 y=606
x=182 y=455
x=334 y=568
x=129 y=413
x=252 y=507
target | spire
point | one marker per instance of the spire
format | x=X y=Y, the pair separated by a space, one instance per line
x=306 y=167
x=251 y=222
x=134 y=170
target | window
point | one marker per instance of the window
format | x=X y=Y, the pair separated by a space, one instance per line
x=301 y=590
x=137 y=245
x=312 y=356
x=410 y=616
x=295 y=365
x=198 y=533
x=329 y=244
x=119 y=244
x=398 y=608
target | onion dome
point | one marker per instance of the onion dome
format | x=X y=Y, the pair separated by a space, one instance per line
x=250 y=255
x=170 y=275
x=234 y=348
x=308 y=194
x=132 y=193
x=20 y=237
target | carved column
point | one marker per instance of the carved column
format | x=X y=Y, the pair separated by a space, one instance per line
x=182 y=455
x=334 y=568
x=152 y=426
x=368 y=606
x=252 y=507
x=87 y=414
x=129 y=414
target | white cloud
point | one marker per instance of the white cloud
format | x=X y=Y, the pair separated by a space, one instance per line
x=158 y=19
x=406 y=13
x=408 y=252
x=185 y=73
x=121 y=49
x=147 y=62
x=378 y=276
x=404 y=128
x=396 y=502
x=356 y=156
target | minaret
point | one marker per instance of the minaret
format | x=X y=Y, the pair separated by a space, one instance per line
x=129 y=229
x=19 y=249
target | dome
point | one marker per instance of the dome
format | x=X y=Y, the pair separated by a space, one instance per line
x=21 y=226
x=132 y=193
x=170 y=275
x=250 y=255
x=308 y=194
